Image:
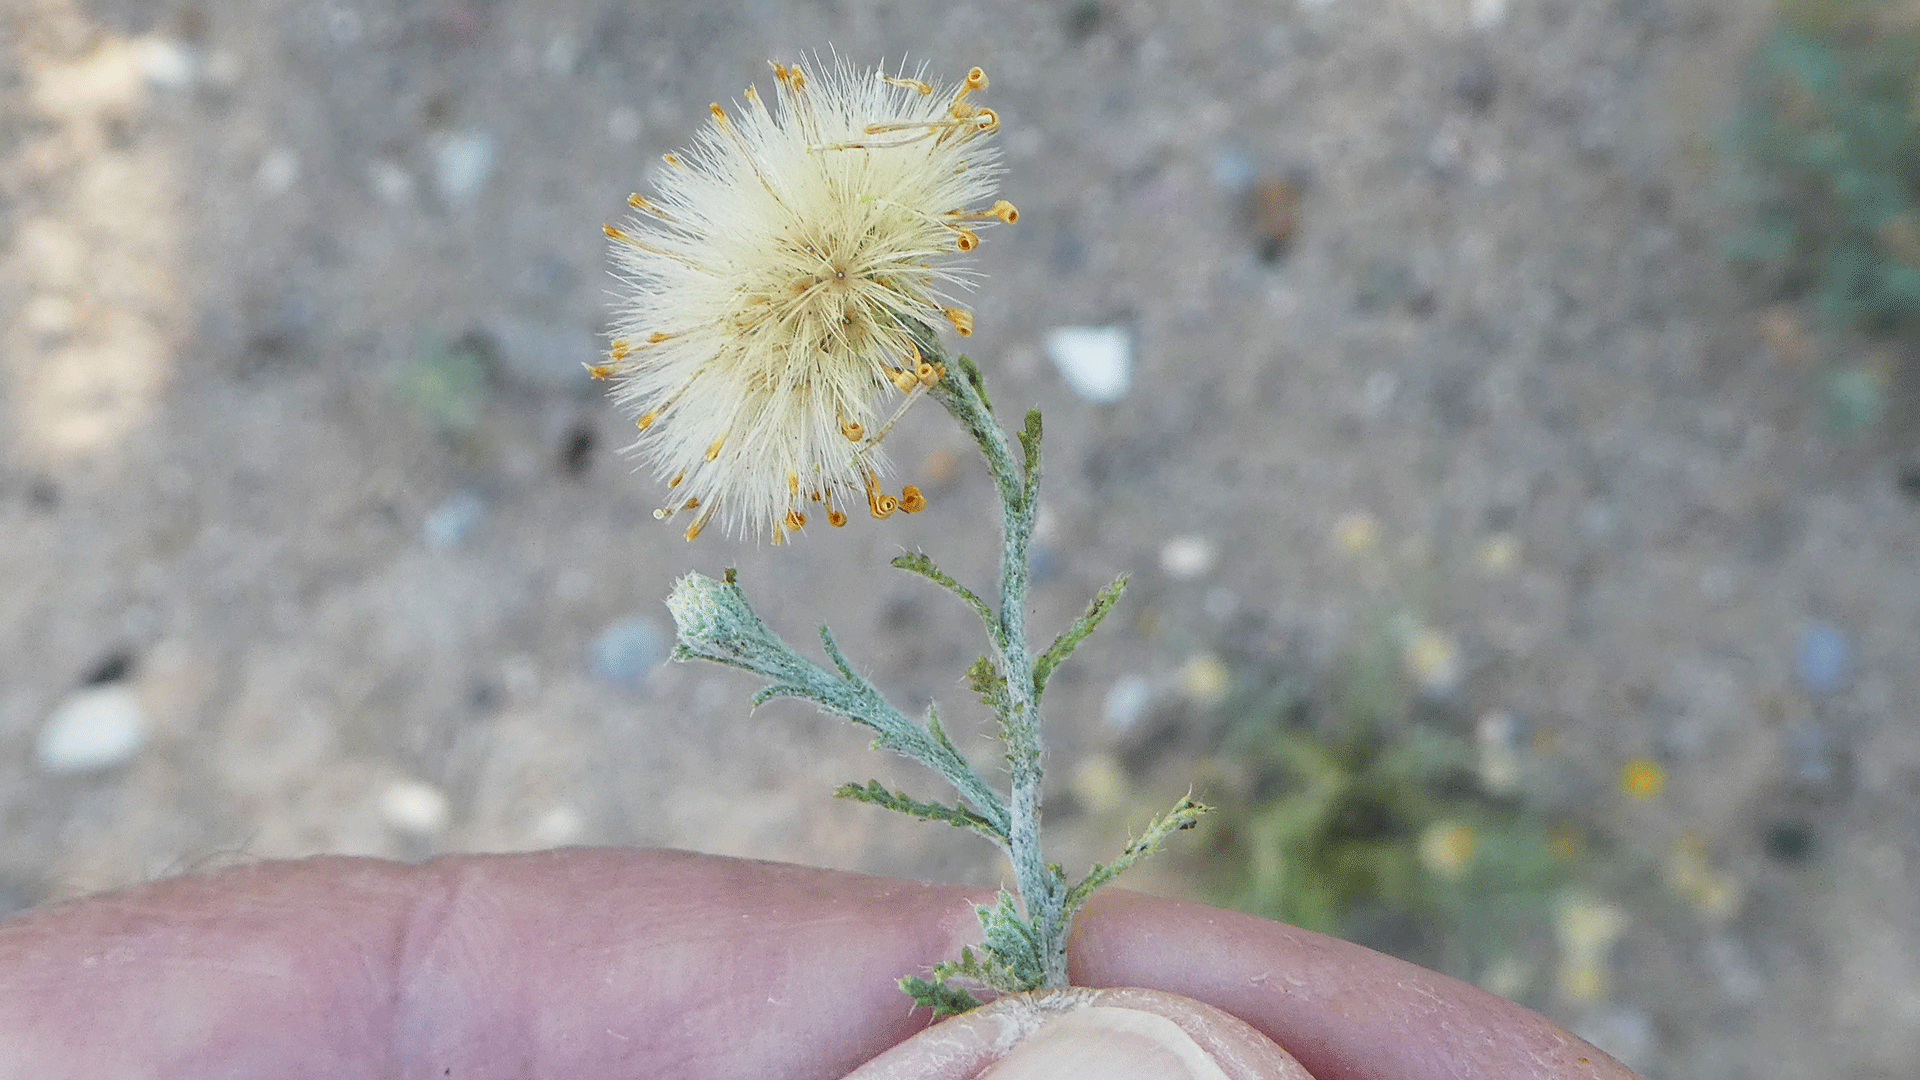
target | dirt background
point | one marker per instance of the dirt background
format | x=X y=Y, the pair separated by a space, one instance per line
x=1500 y=342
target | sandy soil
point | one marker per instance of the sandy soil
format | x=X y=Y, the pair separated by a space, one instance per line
x=233 y=236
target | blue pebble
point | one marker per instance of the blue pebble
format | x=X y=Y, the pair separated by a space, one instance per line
x=1824 y=658
x=451 y=521
x=627 y=651
x=1232 y=169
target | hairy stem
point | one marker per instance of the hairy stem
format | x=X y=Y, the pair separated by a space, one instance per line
x=1043 y=890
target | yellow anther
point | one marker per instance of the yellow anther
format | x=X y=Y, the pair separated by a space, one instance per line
x=1006 y=211
x=645 y=205
x=987 y=120
x=616 y=234
x=657 y=337
x=719 y=114
x=793 y=484
x=690 y=504
x=671 y=160
x=967 y=240
x=677 y=477
x=799 y=77
x=836 y=519
x=926 y=373
x=647 y=418
x=796 y=520
x=620 y=349
x=961 y=319
x=699 y=523
x=853 y=431
x=882 y=506
x=779 y=71
x=713 y=451
x=976 y=79
x=911 y=84
x=599 y=371
x=911 y=501
x=903 y=380
x=753 y=96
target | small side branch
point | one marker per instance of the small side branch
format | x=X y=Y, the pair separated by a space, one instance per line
x=1072 y=636
x=919 y=563
x=1184 y=815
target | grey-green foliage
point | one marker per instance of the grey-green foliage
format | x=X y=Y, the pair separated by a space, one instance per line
x=1830 y=141
x=1025 y=932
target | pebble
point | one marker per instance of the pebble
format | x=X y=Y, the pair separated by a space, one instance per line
x=452 y=520
x=623 y=125
x=1378 y=393
x=1824 y=657
x=558 y=826
x=462 y=164
x=1126 y=702
x=1185 y=558
x=279 y=170
x=391 y=182
x=167 y=65
x=94 y=729
x=1096 y=361
x=1232 y=169
x=628 y=650
x=416 y=808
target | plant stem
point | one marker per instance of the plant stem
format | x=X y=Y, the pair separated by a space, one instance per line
x=1043 y=889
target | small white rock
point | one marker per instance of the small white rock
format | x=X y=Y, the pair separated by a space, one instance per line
x=559 y=826
x=1127 y=701
x=623 y=125
x=1185 y=558
x=416 y=808
x=391 y=181
x=462 y=164
x=167 y=65
x=1486 y=14
x=96 y=728
x=279 y=170
x=1096 y=361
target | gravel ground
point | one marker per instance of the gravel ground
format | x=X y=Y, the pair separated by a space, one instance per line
x=1427 y=317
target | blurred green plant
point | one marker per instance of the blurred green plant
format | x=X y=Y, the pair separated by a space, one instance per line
x=1830 y=141
x=1348 y=813
x=447 y=381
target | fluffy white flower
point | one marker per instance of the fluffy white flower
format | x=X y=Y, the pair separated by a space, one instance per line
x=777 y=279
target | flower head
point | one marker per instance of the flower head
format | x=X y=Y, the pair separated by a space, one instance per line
x=777 y=281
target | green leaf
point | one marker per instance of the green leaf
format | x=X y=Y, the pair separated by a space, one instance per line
x=1030 y=448
x=1071 y=638
x=984 y=679
x=919 y=563
x=959 y=817
x=942 y=998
